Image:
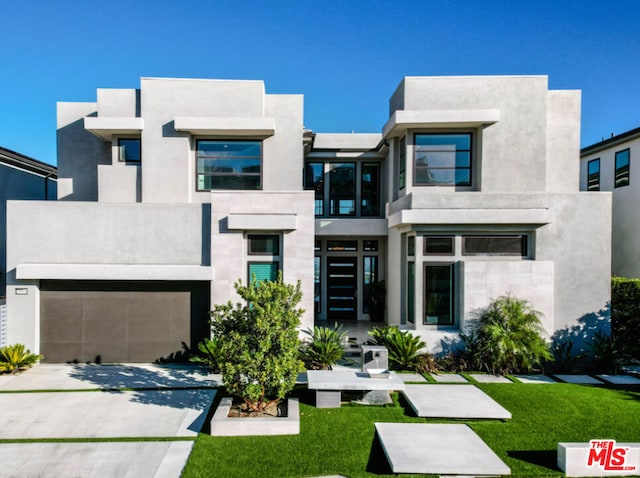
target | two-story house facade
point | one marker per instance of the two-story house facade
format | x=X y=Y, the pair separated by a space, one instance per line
x=608 y=166
x=170 y=193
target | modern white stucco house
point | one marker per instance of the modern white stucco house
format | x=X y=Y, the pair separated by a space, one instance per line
x=170 y=193
x=609 y=166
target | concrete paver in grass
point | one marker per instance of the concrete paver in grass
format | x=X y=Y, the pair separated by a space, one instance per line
x=90 y=376
x=578 y=379
x=453 y=401
x=160 y=459
x=487 y=378
x=620 y=379
x=152 y=413
x=439 y=449
x=535 y=378
x=411 y=377
x=449 y=378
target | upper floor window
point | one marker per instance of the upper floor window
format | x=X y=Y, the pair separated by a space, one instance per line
x=442 y=159
x=593 y=175
x=347 y=188
x=622 y=168
x=402 y=163
x=229 y=165
x=129 y=150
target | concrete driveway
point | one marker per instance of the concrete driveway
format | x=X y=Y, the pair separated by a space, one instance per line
x=102 y=401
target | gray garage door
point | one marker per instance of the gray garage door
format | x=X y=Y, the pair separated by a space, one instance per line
x=107 y=322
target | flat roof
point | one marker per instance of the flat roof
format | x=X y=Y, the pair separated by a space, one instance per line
x=610 y=142
x=26 y=163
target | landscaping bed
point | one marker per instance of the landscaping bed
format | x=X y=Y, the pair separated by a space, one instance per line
x=342 y=441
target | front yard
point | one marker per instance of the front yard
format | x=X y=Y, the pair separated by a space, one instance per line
x=342 y=441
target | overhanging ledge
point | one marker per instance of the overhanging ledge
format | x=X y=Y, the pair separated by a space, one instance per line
x=114 y=272
x=262 y=222
x=402 y=120
x=241 y=127
x=105 y=128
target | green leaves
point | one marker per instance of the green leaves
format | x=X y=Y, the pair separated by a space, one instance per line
x=259 y=341
x=405 y=349
x=13 y=358
x=325 y=348
x=508 y=338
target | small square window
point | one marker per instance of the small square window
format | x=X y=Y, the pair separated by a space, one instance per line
x=129 y=150
x=438 y=246
x=264 y=245
x=622 y=168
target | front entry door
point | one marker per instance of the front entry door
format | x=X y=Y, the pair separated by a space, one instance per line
x=342 y=285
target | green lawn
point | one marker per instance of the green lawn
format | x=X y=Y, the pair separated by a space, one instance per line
x=342 y=441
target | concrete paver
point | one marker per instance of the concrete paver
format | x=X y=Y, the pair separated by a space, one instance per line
x=487 y=378
x=90 y=376
x=535 y=378
x=453 y=401
x=449 y=378
x=620 y=379
x=411 y=377
x=579 y=379
x=153 y=413
x=446 y=449
x=95 y=460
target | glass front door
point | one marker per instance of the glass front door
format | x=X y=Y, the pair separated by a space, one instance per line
x=342 y=284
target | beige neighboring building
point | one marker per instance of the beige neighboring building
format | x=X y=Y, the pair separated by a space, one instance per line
x=170 y=193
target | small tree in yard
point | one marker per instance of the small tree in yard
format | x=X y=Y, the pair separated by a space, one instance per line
x=260 y=341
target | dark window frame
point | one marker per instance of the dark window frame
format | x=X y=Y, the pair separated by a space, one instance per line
x=620 y=180
x=376 y=192
x=402 y=163
x=471 y=150
x=214 y=140
x=351 y=247
x=452 y=293
x=251 y=237
x=426 y=239
x=319 y=188
x=593 y=184
x=524 y=245
x=121 y=150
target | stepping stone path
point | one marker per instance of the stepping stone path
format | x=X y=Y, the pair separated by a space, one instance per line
x=620 y=379
x=453 y=401
x=579 y=379
x=486 y=378
x=439 y=449
x=448 y=378
x=412 y=377
x=535 y=379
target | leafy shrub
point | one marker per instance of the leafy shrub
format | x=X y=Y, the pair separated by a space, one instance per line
x=13 y=358
x=508 y=338
x=625 y=314
x=563 y=355
x=427 y=363
x=607 y=352
x=404 y=347
x=211 y=354
x=325 y=348
x=260 y=341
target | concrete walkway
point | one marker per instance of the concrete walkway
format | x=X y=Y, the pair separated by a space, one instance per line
x=51 y=401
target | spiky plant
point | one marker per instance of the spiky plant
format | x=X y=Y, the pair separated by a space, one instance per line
x=15 y=357
x=211 y=354
x=404 y=348
x=325 y=347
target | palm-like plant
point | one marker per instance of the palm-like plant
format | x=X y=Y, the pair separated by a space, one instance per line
x=13 y=358
x=325 y=347
x=211 y=354
x=405 y=349
x=509 y=337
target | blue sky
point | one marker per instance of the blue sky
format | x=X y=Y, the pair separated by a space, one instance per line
x=346 y=57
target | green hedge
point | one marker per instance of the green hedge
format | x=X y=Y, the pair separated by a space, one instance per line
x=625 y=314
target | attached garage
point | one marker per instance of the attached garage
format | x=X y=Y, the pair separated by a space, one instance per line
x=109 y=322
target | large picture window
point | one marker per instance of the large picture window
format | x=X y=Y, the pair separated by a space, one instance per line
x=370 y=194
x=234 y=165
x=342 y=189
x=314 y=180
x=442 y=159
x=622 y=168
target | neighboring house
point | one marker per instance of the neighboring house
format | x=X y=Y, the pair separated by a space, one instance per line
x=609 y=166
x=21 y=177
x=170 y=193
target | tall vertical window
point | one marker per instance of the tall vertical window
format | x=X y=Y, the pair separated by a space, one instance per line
x=370 y=264
x=439 y=294
x=442 y=159
x=622 y=168
x=593 y=175
x=129 y=149
x=402 y=163
x=342 y=189
x=230 y=165
x=314 y=180
x=317 y=284
x=411 y=295
x=370 y=190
